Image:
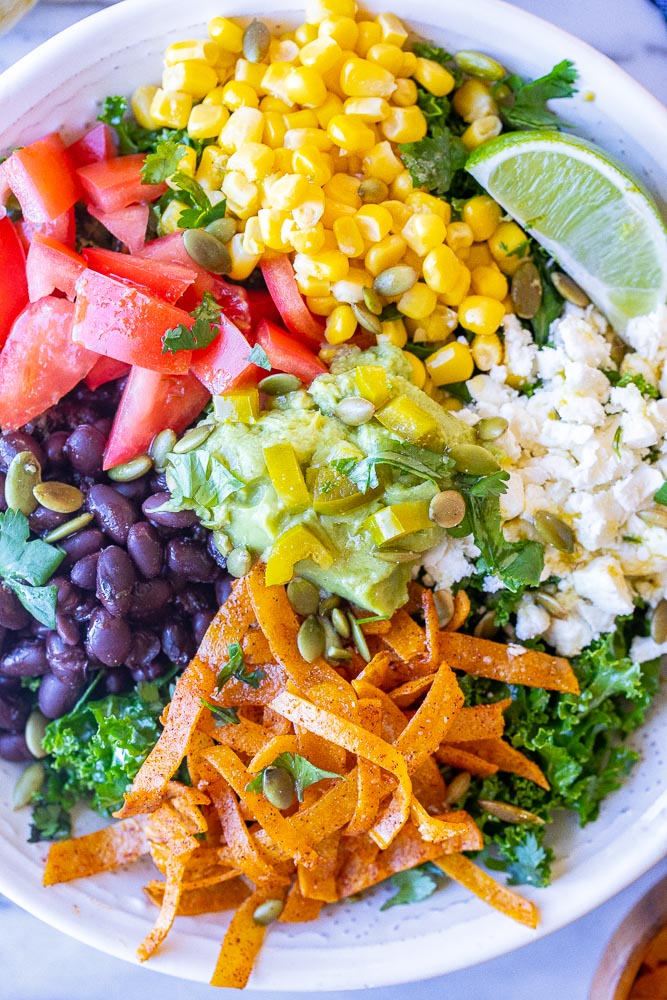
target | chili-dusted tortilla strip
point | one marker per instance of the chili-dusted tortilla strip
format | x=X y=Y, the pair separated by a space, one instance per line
x=272 y=749
x=376 y=671
x=236 y=692
x=477 y=881
x=512 y=664
x=428 y=785
x=102 y=851
x=298 y=909
x=657 y=950
x=369 y=789
x=379 y=627
x=506 y=758
x=240 y=843
x=465 y=761
x=320 y=752
x=461 y=612
x=432 y=829
x=319 y=882
x=428 y=726
x=246 y=737
x=173 y=890
x=241 y=944
x=431 y=628
x=407 y=639
x=479 y=722
x=224 y=895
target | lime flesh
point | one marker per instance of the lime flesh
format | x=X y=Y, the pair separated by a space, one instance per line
x=592 y=216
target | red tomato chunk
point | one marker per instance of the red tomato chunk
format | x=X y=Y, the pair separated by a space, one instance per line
x=43 y=179
x=168 y=281
x=52 y=266
x=116 y=183
x=286 y=354
x=13 y=282
x=224 y=364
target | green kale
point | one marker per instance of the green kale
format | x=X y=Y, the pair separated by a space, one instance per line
x=25 y=566
x=203 y=331
x=526 y=107
x=434 y=160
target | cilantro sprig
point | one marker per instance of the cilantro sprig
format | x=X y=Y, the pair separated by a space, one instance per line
x=199 y=481
x=302 y=772
x=526 y=108
x=434 y=160
x=163 y=165
x=201 y=334
x=411 y=460
x=235 y=667
x=222 y=716
x=25 y=566
x=414 y=885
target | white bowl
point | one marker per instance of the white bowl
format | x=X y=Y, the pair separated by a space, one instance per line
x=352 y=945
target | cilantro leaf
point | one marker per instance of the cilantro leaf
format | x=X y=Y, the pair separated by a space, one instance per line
x=199 y=481
x=528 y=103
x=235 y=667
x=551 y=305
x=223 y=716
x=203 y=332
x=163 y=163
x=201 y=211
x=199 y=218
x=302 y=771
x=26 y=565
x=433 y=160
x=132 y=138
x=50 y=821
x=411 y=460
x=414 y=885
x=633 y=378
x=661 y=495
x=259 y=357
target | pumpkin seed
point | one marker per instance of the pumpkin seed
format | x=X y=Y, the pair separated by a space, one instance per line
x=328 y=604
x=35 y=728
x=655 y=516
x=366 y=319
x=340 y=623
x=473 y=459
x=457 y=788
x=447 y=508
x=373 y=191
x=310 y=639
x=480 y=65
x=23 y=474
x=207 y=251
x=278 y=787
x=59 y=497
x=256 y=41
x=279 y=385
x=509 y=813
x=239 y=562
x=222 y=229
x=354 y=411
x=222 y=542
x=659 y=623
x=526 y=290
x=444 y=605
x=395 y=280
x=28 y=784
x=553 y=531
x=160 y=447
x=551 y=605
x=333 y=651
x=491 y=428
x=268 y=911
x=129 y=471
x=569 y=289
x=303 y=595
x=67 y=529
x=192 y=439
x=359 y=639
x=394 y=555
x=486 y=627
x=372 y=301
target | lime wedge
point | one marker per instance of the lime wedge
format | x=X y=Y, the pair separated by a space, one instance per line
x=587 y=211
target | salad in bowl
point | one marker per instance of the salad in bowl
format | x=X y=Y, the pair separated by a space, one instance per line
x=333 y=546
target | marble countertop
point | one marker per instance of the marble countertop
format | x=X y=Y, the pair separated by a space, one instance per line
x=41 y=964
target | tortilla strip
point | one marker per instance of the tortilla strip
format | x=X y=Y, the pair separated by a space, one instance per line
x=241 y=945
x=465 y=761
x=429 y=725
x=320 y=882
x=224 y=895
x=511 y=664
x=461 y=612
x=240 y=844
x=475 y=880
x=428 y=785
x=368 y=774
x=376 y=671
x=173 y=890
x=406 y=638
x=102 y=851
x=431 y=628
x=434 y=830
x=405 y=694
x=247 y=736
x=479 y=722
x=268 y=753
x=657 y=950
x=298 y=909
x=320 y=752
x=506 y=758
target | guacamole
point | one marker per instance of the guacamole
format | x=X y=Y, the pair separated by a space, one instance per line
x=343 y=505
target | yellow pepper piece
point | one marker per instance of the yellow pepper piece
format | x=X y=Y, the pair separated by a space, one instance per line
x=286 y=475
x=405 y=418
x=371 y=383
x=391 y=523
x=240 y=406
x=295 y=544
x=334 y=493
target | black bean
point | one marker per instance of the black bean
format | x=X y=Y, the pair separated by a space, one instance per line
x=84 y=609
x=14 y=710
x=9 y=685
x=12 y=613
x=42 y=519
x=215 y=552
x=54 y=448
x=12 y=442
x=150 y=600
x=117 y=681
x=66 y=661
x=165 y=518
x=14 y=747
x=145 y=647
x=143 y=544
x=193 y=598
x=109 y=639
x=56 y=698
x=26 y=659
x=115 y=579
x=149 y=673
x=104 y=425
x=136 y=489
x=82 y=543
x=3 y=502
x=158 y=482
x=37 y=630
x=177 y=643
x=114 y=513
x=223 y=589
x=84 y=572
x=200 y=624
x=68 y=596
x=67 y=629
x=85 y=449
x=190 y=560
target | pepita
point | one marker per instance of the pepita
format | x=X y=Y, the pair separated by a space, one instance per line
x=239 y=562
x=303 y=595
x=328 y=604
x=366 y=319
x=268 y=911
x=551 y=605
x=333 y=651
x=569 y=289
x=473 y=459
x=359 y=639
x=480 y=65
x=373 y=191
x=160 y=447
x=526 y=290
x=28 y=784
x=447 y=508
x=23 y=474
x=553 y=531
x=193 y=438
x=279 y=385
x=355 y=411
x=311 y=639
x=491 y=428
x=659 y=623
x=486 y=627
x=509 y=813
x=222 y=229
x=278 y=787
x=35 y=728
x=372 y=301
x=129 y=471
x=395 y=280
x=444 y=605
x=68 y=528
x=457 y=788
x=207 y=251
x=256 y=41
x=59 y=497
x=340 y=623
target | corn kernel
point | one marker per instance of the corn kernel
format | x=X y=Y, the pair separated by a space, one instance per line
x=483 y=215
x=374 y=222
x=170 y=109
x=479 y=255
x=487 y=351
x=388 y=56
x=250 y=73
x=312 y=164
x=270 y=224
x=344 y=188
x=228 y=35
x=423 y=232
x=243 y=263
x=350 y=134
x=297 y=137
x=205 y=121
x=170 y=218
x=361 y=78
x=239 y=95
x=282 y=164
x=186 y=165
x=334 y=210
x=393 y=333
x=351 y=288
x=463 y=254
x=214 y=98
x=254 y=159
x=381 y=162
x=441 y=269
x=489 y=281
x=321 y=305
x=393 y=30
x=452 y=404
x=142 y=99
x=439 y=326
x=452 y=363
x=341 y=325
x=508 y=304
x=409 y=64
x=241 y=191
x=507 y=245
x=456 y=294
x=421 y=202
x=328 y=265
x=405 y=94
x=311 y=209
x=342 y=29
x=274 y=81
x=348 y=236
x=283 y=50
x=311 y=286
x=211 y=168
x=404 y=125
x=321 y=54
x=481 y=130
x=305 y=33
x=274 y=129
x=400 y=213
x=271 y=103
x=401 y=186
x=325 y=112
x=244 y=125
x=370 y=33
x=433 y=77
x=459 y=235
x=301 y=119
x=194 y=48
x=418 y=369
x=368 y=109
x=480 y=314
x=387 y=253
x=305 y=86
x=473 y=100
x=194 y=77
x=418 y=302
x=306 y=241
x=317 y=10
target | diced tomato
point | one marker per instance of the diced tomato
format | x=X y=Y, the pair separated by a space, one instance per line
x=125 y=323
x=286 y=354
x=62 y=229
x=43 y=179
x=116 y=183
x=99 y=143
x=166 y=280
x=105 y=370
x=262 y=306
x=150 y=403
x=40 y=361
x=13 y=281
x=127 y=224
x=52 y=266
x=224 y=364
x=5 y=189
x=281 y=283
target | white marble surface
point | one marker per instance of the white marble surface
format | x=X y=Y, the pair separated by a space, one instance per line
x=37 y=963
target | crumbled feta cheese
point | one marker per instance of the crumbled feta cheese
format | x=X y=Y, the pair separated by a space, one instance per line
x=644 y=648
x=602 y=582
x=532 y=621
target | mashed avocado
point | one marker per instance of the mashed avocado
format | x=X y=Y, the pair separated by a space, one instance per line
x=344 y=506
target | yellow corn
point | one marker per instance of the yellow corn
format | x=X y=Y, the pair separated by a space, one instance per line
x=481 y=314
x=274 y=129
x=214 y=97
x=405 y=94
x=311 y=286
x=479 y=255
x=321 y=54
x=170 y=219
x=418 y=302
x=254 y=159
x=438 y=326
x=341 y=325
x=253 y=241
x=424 y=232
x=186 y=165
x=387 y=253
x=374 y=222
x=271 y=223
x=481 y=130
x=348 y=236
x=194 y=48
x=283 y=50
x=452 y=363
x=342 y=29
x=401 y=186
x=194 y=77
x=271 y=103
x=325 y=112
x=287 y=191
x=244 y=125
x=206 y=120
x=393 y=30
x=433 y=77
x=459 y=236
x=404 y=124
x=487 y=351
x=311 y=210
x=381 y=162
x=489 y=281
x=242 y=192
x=250 y=73
x=441 y=269
x=361 y=78
x=305 y=86
x=236 y=94
x=142 y=98
x=409 y=64
x=274 y=81
x=456 y=294
x=226 y=33
x=370 y=33
x=350 y=134
x=328 y=265
x=305 y=33
x=482 y=214
x=283 y=164
x=420 y=201
x=393 y=333
x=345 y=189
x=211 y=168
x=400 y=213
x=418 y=369
x=170 y=108
x=388 y=56
x=297 y=137
x=334 y=210
x=321 y=305
x=473 y=100
x=368 y=109
x=508 y=245
x=351 y=288
x=508 y=305
x=312 y=164
x=306 y=241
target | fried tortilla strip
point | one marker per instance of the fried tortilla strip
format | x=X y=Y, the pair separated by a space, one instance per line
x=223 y=895
x=407 y=640
x=506 y=758
x=509 y=663
x=479 y=722
x=434 y=830
x=173 y=890
x=241 y=845
x=320 y=882
x=465 y=761
x=272 y=749
x=429 y=725
x=246 y=737
x=657 y=950
x=473 y=878
x=369 y=789
x=241 y=944
x=377 y=670
x=298 y=909
x=405 y=694
x=431 y=628
x=461 y=612
x=102 y=851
